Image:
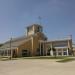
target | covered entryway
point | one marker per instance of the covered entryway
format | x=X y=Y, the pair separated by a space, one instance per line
x=57 y=47
x=25 y=53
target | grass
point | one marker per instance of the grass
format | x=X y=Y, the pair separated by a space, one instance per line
x=36 y=57
x=44 y=57
x=6 y=58
x=66 y=60
x=61 y=58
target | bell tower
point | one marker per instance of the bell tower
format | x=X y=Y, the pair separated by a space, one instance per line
x=33 y=29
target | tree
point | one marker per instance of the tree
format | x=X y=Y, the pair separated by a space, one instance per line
x=54 y=52
x=48 y=51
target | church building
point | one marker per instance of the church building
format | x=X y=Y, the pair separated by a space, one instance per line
x=36 y=43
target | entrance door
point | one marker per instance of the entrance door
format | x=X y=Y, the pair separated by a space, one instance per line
x=24 y=53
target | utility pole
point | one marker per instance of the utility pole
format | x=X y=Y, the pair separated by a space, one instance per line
x=10 y=48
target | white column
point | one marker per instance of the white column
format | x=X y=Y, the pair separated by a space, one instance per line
x=43 y=49
x=32 y=46
x=33 y=30
x=7 y=52
x=57 y=52
x=26 y=32
x=51 y=52
x=68 y=44
x=62 y=51
x=46 y=49
x=67 y=52
x=40 y=48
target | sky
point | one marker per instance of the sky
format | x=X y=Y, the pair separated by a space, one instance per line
x=57 y=17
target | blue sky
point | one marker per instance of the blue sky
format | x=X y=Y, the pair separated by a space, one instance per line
x=58 y=17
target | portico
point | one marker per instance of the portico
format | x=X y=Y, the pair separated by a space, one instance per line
x=58 y=47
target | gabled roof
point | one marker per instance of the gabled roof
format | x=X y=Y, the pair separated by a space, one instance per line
x=15 y=42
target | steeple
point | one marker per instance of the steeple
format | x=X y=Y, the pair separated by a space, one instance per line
x=33 y=29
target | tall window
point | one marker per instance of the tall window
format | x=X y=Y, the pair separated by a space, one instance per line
x=65 y=52
x=39 y=29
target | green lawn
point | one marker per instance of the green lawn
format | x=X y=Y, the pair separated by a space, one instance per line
x=66 y=60
x=61 y=58
x=36 y=57
x=44 y=57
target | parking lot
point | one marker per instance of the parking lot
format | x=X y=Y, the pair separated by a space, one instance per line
x=36 y=67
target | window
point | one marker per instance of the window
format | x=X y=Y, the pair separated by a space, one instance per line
x=64 y=52
x=9 y=52
x=38 y=29
x=59 y=52
x=24 y=53
x=5 y=53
